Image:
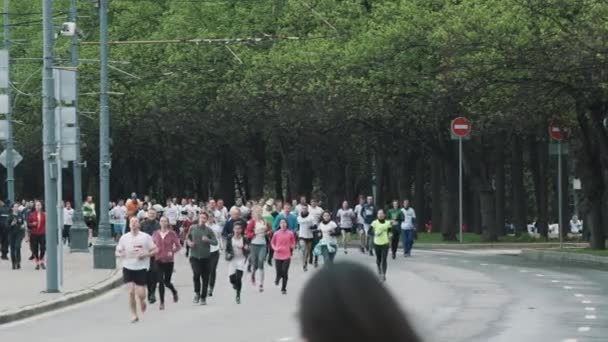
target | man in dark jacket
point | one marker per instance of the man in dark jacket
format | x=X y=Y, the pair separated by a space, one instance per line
x=149 y=225
x=235 y=216
x=4 y=230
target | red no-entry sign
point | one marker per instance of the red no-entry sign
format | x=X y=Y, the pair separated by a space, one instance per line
x=557 y=132
x=461 y=127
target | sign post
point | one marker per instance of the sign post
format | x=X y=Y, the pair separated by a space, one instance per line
x=461 y=128
x=558 y=134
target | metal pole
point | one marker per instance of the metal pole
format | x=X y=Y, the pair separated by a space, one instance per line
x=10 y=167
x=103 y=252
x=49 y=145
x=559 y=193
x=460 y=186
x=79 y=233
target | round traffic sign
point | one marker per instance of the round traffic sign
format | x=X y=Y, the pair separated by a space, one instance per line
x=461 y=127
x=557 y=132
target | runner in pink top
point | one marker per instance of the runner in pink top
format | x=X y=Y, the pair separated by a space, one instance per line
x=283 y=242
x=168 y=243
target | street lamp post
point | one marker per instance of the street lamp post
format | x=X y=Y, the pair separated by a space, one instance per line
x=103 y=252
x=49 y=153
x=10 y=165
x=79 y=233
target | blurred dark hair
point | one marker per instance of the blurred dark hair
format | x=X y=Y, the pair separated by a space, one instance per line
x=346 y=302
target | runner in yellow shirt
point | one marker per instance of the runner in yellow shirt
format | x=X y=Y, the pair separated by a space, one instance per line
x=381 y=228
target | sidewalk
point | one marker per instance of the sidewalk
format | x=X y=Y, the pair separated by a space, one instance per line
x=23 y=294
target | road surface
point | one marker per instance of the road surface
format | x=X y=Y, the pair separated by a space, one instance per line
x=450 y=295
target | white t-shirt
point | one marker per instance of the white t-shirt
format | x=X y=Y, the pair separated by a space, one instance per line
x=409 y=215
x=68 y=215
x=119 y=214
x=299 y=208
x=358 y=210
x=219 y=216
x=217 y=229
x=259 y=233
x=316 y=213
x=327 y=229
x=346 y=218
x=172 y=213
x=131 y=245
x=306 y=224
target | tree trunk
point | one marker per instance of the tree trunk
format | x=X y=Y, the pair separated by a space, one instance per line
x=488 y=214
x=499 y=166
x=539 y=160
x=277 y=168
x=436 y=193
x=518 y=200
x=449 y=224
x=419 y=194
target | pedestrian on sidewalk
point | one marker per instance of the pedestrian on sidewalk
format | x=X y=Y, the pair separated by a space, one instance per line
x=381 y=227
x=149 y=225
x=283 y=242
x=37 y=226
x=214 y=258
x=328 y=245
x=167 y=242
x=331 y=301
x=408 y=227
x=4 y=225
x=68 y=221
x=90 y=218
x=135 y=249
x=200 y=239
x=16 y=232
x=257 y=232
x=237 y=251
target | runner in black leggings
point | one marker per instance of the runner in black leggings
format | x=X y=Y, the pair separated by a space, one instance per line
x=168 y=243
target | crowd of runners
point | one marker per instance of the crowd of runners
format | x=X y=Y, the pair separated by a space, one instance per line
x=248 y=236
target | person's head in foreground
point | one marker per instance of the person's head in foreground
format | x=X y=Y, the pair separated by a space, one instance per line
x=332 y=308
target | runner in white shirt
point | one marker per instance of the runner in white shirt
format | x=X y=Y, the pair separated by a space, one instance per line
x=172 y=213
x=302 y=203
x=361 y=222
x=315 y=211
x=135 y=249
x=119 y=217
x=328 y=246
x=68 y=214
x=306 y=223
x=346 y=220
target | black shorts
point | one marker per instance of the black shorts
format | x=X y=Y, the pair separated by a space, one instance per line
x=348 y=230
x=134 y=276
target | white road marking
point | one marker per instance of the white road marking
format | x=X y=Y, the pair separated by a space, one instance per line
x=587 y=302
x=590 y=317
x=584 y=329
x=523 y=271
x=285 y=339
x=567 y=287
x=540 y=275
x=555 y=281
x=589 y=309
x=483 y=264
x=579 y=295
x=570 y=340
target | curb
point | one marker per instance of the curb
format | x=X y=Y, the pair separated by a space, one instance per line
x=76 y=297
x=564 y=258
x=489 y=245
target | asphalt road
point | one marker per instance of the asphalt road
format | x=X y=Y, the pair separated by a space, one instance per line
x=450 y=295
